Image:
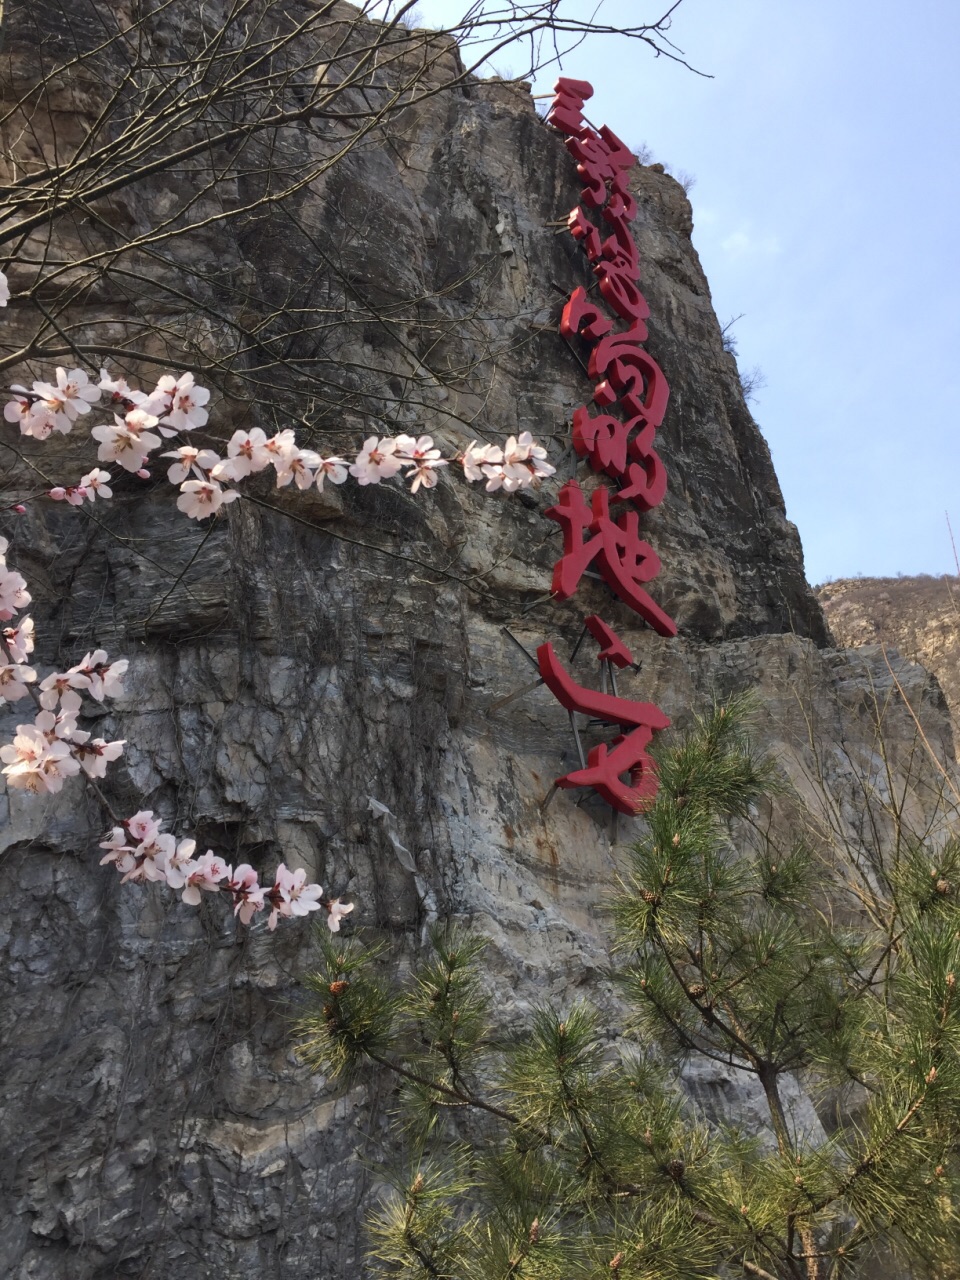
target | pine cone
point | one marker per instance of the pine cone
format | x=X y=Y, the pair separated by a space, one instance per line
x=339 y=987
x=676 y=1170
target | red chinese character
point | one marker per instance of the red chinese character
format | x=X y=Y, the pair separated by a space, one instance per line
x=603 y=440
x=632 y=376
x=621 y=773
x=602 y=160
x=582 y=316
x=585 y=233
x=623 y=559
x=606 y=442
x=612 y=648
x=621 y=246
x=627 y=754
x=565 y=111
x=646 y=484
x=622 y=203
x=621 y=292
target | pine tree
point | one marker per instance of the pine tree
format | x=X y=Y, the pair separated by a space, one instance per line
x=553 y=1154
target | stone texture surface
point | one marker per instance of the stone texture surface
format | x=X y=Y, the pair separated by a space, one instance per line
x=917 y=616
x=156 y=1122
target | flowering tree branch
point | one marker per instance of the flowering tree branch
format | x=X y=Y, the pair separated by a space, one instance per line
x=45 y=753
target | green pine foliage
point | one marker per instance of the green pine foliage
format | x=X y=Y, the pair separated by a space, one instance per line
x=552 y=1155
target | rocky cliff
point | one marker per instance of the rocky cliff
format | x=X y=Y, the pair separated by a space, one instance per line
x=919 y=617
x=300 y=657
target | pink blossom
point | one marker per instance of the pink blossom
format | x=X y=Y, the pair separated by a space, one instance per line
x=333 y=469
x=248 y=896
x=207 y=873
x=118 y=851
x=536 y=456
x=125 y=444
x=152 y=858
x=247 y=452
x=201 y=498
x=475 y=456
x=145 y=854
x=95 y=754
x=143 y=827
x=144 y=864
x=96 y=484
x=197 y=462
x=524 y=460
x=34 y=764
x=20 y=408
x=74 y=494
x=102 y=678
x=186 y=402
x=521 y=463
x=13 y=592
x=14 y=680
x=303 y=897
x=425 y=457
x=62 y=724
x=81 y=676
x=336 y=909
x=52 y=687
x=276 y=445
x=376 y=461
x=72 y=395
x=29 y=744
x=19 y=640
x=413 y=449
x=139 y=419
x=110 y=680
x=34 y=417
x=497 y=476
x=296 y=464
x=290 y=895
x=119 y=390
x=425 y=473
x=176 y=863
x=57 y=765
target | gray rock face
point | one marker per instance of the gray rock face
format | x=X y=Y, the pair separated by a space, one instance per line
x=920 y=616
x=301 y=656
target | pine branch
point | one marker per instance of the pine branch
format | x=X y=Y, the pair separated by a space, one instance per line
x=464 y=1099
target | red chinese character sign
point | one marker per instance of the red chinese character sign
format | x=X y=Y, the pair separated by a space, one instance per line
x=618 y=442
x=591 y=535
x=621 y=773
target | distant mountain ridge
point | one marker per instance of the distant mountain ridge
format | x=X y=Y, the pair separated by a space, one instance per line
x=919 y=616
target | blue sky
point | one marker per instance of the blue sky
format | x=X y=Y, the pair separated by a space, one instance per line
x=825 y=152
